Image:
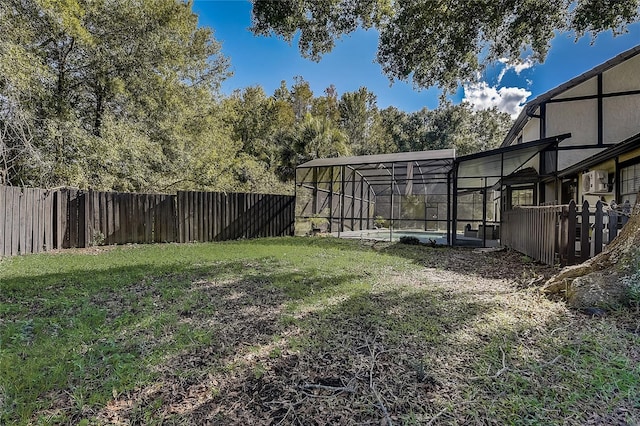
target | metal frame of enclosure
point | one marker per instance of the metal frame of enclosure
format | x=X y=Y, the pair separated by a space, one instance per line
x=419 y=191
x=407 y=190
x=486 y=179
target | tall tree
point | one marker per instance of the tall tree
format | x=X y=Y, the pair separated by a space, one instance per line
x=98 y=71
x=301 y=97
x=441 y=42
x=262 y=125
x=360 y=120
x=448 y=126
x=313 y=137
x=396 y=125
x=327 y=106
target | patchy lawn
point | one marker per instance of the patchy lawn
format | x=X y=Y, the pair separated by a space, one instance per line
x=304 y=331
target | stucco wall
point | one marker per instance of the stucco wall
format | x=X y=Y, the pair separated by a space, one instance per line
x=576 y=117
x=621 y=117
x=531 y=131
x=630 y=155
x=622 y=77
x=589 y=87
x=569 y=158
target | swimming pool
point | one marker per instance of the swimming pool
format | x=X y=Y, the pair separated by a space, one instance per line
x=384 y=234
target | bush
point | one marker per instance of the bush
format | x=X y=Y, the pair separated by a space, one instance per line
x=410 y=240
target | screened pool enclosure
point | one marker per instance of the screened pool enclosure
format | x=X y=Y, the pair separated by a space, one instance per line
x=392 y=192
x=431 y=195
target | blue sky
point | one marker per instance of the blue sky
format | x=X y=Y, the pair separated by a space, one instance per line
x=265 y=61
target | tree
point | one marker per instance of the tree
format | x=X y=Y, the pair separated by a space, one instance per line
x=327 y=106
x=396 y=125
x=109 y=94
x=355 y=117
x=313 y=137
x=262 y=126
x=301 y=97
x=441 y=42
x=465 y=130
x=448 y=126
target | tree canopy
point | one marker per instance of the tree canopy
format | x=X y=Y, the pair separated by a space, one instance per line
x=108 y=93
x=441 y=42
x=124 y=96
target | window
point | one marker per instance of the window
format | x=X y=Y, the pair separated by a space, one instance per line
x=629 y=183
x=522 y=197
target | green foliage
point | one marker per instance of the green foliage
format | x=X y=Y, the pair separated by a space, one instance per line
x=122 y=96
x=412 y=241
x=292 y=126
x=380 y=222
x=630 y=278
x=439 y=42
x=448 y=126
x=112 y=95
x=360 y=119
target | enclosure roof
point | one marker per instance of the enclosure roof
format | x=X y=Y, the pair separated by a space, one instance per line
x=476 y=171
x=485 y=169
x=374 y=160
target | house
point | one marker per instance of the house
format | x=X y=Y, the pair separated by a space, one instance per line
x=601 y=111
x=590 y=178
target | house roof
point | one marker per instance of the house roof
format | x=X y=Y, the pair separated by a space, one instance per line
x=532 y=105
x=609 y=153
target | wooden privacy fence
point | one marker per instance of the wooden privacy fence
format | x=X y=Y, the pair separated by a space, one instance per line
x=532 y=231
x=215 y=216
x=564 y=233
x=35 y=220
x=88 y=218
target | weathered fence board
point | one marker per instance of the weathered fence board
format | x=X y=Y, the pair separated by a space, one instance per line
x=532 y=231
x=26 y=220
x=3 y=205
x=217 y=216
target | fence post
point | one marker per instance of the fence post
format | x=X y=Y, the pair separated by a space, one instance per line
x=585 y=247
x=563 y=235
x=3 y=221
x=598 y=229
x=571 y=233
x=612 y=225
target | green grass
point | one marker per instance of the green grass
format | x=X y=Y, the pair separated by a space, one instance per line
x=233 y=332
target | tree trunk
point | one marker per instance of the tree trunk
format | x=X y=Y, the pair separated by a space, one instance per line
x=604 y=281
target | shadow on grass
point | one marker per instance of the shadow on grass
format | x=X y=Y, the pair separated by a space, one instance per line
x=241 y=341
x=72 y=341
x=504 y=264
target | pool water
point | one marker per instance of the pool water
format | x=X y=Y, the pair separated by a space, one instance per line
x=383 y=235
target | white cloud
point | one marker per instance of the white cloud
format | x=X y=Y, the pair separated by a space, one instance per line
x=517 y=66
x=506 y=99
